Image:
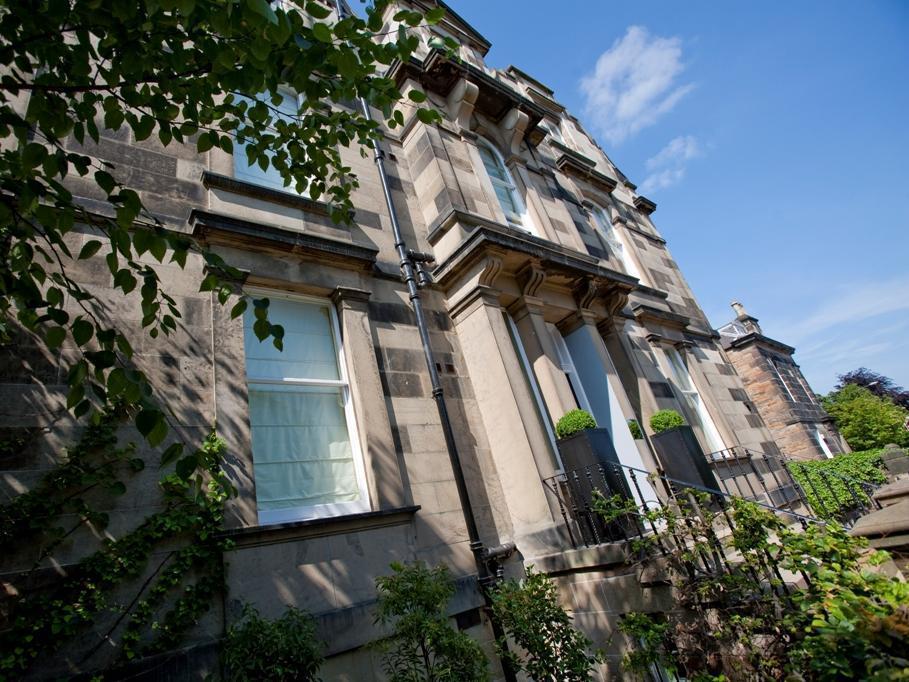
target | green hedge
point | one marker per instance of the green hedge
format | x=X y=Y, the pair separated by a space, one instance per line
x=817 y=478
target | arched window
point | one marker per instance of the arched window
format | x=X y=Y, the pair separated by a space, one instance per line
x=615 y=241
x=505 y=189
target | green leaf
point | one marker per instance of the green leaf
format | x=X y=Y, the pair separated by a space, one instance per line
x=82 y=330
x=263 y=8
x=146 y=420
x=435 y=15
x=417 y=96
x=89 y=249
x=171 y=453
x=55 y=336
x=322 y=33
x=187 y=466
x=239 y=308
x=143 y=128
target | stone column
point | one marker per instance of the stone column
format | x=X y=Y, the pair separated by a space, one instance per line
x=383 y=470
x=586 y=322
x=541 y=353
x=519 y=446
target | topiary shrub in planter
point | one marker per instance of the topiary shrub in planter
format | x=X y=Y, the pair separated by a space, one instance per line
x=574 y=421
x=679 y=451
x=663 y=420
x=284 y=649
x=592 y=465
x=635 y=429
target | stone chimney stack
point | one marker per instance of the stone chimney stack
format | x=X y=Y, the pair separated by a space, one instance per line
x=750 y=323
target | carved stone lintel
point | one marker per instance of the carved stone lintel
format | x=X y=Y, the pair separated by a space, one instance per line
x=512 y=127
x=684 y=344
x=461 y=101
x=531 y=277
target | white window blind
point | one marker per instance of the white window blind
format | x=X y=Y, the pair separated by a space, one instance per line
x=305 y=455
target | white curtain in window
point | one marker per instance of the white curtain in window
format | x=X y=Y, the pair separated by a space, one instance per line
x=304 y=461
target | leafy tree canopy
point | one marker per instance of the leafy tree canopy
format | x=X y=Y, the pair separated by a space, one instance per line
x=865 y=420
x=881 y=386
x=182 y=71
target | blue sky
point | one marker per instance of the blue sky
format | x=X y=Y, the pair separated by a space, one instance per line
x=774 y=138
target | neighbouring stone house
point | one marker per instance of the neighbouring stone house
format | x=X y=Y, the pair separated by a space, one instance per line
x=553 y=289
x=779 y=391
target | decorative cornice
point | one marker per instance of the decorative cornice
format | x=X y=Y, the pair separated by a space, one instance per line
x=645 y=313
x=437 y=73
x=574 y=164
x=249 y=235
x=644 y=205
x=488 y=235
x=760 y=339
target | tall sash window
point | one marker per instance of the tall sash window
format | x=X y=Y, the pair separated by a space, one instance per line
x=504 y=186
x=306 y=456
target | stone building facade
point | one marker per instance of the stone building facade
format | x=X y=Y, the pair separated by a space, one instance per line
x=553 y=289
x=779 y=391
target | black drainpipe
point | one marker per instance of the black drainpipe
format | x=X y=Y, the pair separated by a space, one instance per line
x=412 y=266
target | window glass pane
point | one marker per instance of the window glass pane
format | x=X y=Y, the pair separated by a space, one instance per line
x=493 y=167
x=309 y=347
x=253 y=173
x=506 y=199
x=301 y=447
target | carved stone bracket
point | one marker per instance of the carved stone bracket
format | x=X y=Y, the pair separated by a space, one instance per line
x=461 y=101
x=492 y=267
x=586 y=291
x=531 y=277
x=512 y=128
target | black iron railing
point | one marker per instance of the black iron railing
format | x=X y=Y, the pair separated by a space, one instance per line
x=773 y=479
x=578 y=492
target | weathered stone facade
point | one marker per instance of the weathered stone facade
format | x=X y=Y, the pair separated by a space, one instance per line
x=531 y=314
x=779 y=391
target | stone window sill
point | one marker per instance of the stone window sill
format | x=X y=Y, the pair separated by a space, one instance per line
x=254 y=536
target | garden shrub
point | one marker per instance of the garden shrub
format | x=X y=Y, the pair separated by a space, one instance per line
x=845 y=620
x=574 y=421
x=818 y=478
x=530 y=614
x=424 y=647
x=635 y=429
x=276 y=650
x=663 y=420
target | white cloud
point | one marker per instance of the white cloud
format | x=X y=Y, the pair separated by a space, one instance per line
x=667 y=167
x=853 y=303
x=857 y=324
x=633 y=84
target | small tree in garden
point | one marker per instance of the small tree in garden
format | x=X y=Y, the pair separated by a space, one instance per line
x=865 y=420
x=736 y=619
x=551 y=648
x=282 y=650
x=423 y=646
